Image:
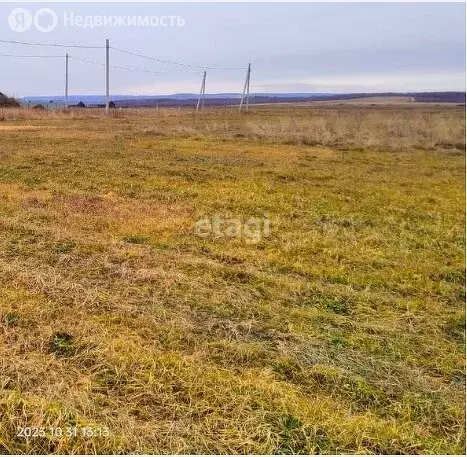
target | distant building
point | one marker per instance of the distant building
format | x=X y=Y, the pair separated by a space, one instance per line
x=78 y=105
x=102 y=105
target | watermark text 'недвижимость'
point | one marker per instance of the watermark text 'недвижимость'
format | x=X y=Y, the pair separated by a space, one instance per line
x=47 y=20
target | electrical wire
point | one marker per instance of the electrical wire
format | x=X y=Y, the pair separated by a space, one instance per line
x=119 y=67
x=125 y=51
x=30 y=56
x=56 y=45
x=172 y=62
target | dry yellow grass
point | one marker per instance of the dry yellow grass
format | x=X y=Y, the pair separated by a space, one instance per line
x=342 y=331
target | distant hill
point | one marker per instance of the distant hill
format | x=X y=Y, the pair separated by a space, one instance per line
x=140 y=101
x=233 y=99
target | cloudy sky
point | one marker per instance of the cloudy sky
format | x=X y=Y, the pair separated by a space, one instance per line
x=296 y=47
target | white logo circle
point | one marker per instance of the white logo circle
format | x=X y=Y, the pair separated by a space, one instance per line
x=20 y=20
x=45 y=20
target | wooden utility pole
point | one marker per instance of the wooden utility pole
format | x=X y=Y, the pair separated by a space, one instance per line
x=201 y=93
x=246 y=90
x=66 y=81
x=107 y=91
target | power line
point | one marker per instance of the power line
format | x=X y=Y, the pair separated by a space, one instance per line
x=56 y=45
x=29 y=56
x=125 y=51
x=119 y=67
x=87 y=60
x=172 y=62
x=137 y=69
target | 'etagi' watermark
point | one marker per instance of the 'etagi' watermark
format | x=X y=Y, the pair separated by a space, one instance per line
x=46 y=20
x=251 y=230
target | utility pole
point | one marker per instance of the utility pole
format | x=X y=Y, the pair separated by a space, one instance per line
x=248 y=87
x=246 y=90
x=66 y=81
x=201 y=93
x=107 y=58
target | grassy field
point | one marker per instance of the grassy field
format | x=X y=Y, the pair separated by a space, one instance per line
x=287 y=281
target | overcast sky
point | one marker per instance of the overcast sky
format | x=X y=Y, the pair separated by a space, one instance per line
x=298 y=47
